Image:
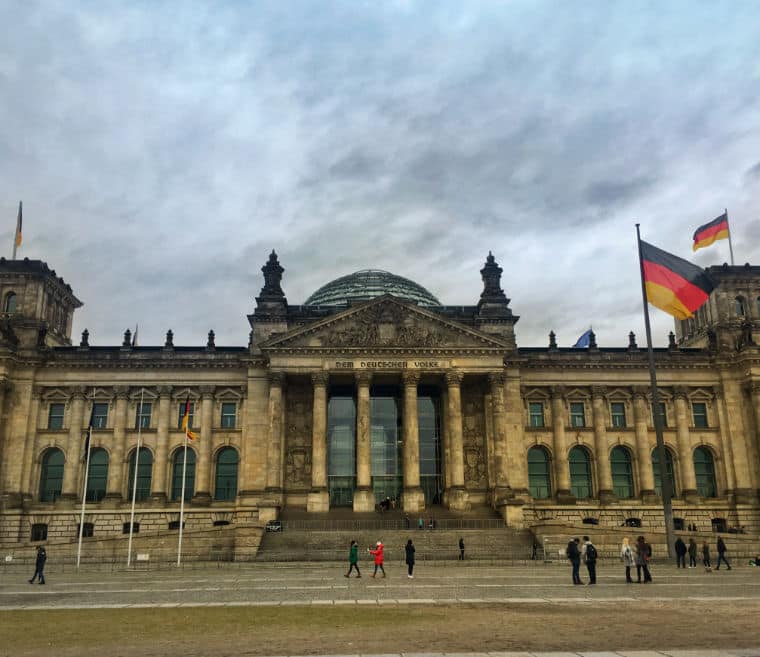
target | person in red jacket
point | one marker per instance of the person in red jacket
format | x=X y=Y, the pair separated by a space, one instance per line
x=378 y=553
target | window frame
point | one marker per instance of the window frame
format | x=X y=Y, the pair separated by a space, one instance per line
x=181 y=415
x=630 y=483
x=223 y=474
x=51 y=416
x=11 y=299
x=699 y=420
x=663 y=415
x=574 y=415
x=224 y=418
x=614 y=416
x=96 y=417
x=142 y=419
x=543 y=487
x=536 y=420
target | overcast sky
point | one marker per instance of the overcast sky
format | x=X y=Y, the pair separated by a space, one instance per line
x=162 y=150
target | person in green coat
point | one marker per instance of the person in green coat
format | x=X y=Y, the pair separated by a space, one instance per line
x=353 y=560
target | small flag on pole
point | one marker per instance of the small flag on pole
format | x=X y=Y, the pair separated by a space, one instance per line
x=88 y=435
x=134 y=337
x=717 y=229
x=673 y=284
x=19 y=221
x=584 y=341
x=186 y=421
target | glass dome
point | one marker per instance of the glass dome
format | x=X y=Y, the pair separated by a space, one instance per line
x=368 y=284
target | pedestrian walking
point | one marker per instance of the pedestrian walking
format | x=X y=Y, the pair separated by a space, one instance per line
x=39 y=565
x=692 y=553
x=461 y=548
x=409 y=559
x=378 y=554
x=721 y=545
x=643 y=554
x=706 y=557
x=420 y=523
x=680 y=553
x=353 y=560
x=628 y=558
x=590 y=555
x=574 y=554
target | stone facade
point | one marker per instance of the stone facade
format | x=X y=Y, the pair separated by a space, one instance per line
x=440 y=406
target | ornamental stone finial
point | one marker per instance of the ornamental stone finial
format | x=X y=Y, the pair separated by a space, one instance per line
x=169 y=344
x=632 y=346
x=127 y=343
x=552 y=340
x=210 y=343
x=85 y=341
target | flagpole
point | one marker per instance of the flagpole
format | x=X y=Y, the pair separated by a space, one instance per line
x=84 y=488
x=665 y=483
x=182 y=503
x=730 y=244
x=134 y=482
x=18 y=226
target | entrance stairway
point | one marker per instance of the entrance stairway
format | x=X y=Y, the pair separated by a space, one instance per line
x=327 y=536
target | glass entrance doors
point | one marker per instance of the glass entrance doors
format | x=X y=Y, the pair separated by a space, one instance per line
x=341 y=447
x=385 y=443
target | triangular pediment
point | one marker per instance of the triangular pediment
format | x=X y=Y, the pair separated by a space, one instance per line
x=384 y=323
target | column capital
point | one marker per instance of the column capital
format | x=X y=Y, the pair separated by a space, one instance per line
x=497 y=378
x=276 y=378
x=641 y=392
x=558 y=392
x=453 y=378
x=121 y=392
x=164 y=391
x=78 y=392
x=718 y=390
x=320 y=378
x=363 y=377
x=681 y=392
x=207 y=392
x=37 y=391
x=410 y=378
x=599 y=392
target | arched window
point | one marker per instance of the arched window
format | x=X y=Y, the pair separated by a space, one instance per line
x=51 y=475
x=144 y=471
x=668 y=469
x=622 y=472
x=226 y=474
x=539 y=481
x=739 y=306
x=757 y=304
x=704 y=469
x=97 y=478
x=580 y=473
x=10 y=303
x=179 y=456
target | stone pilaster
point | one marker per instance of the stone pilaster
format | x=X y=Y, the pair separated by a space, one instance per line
x=500 y=483
x=319 y=496
x=74 y=446
x=31 y=446
x=603 y=470
x=254 y=444
x=158 y=488
x=683 y=440
x=364 y=500
x=414 y=499
x=456 y=496
x=741 y=442
x=116 y=456
x=754 y=448
x=561 y=464
x=516 y=454
x=643 y=451
x=202 y=496
x=725 y=443
x=274 y=457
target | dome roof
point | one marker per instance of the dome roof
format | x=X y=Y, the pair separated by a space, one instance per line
x=368 y=284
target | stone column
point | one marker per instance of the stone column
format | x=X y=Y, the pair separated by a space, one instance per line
x=643 y=450
x=319 y=496
x=741 y=440
x=414 y=498
x=31 y=447
x=683 y=439
x=116 y=456
x=516 y=453
x=500 y=483
x=603 y=469
x=161 y=466
x=725 y=443
x=561 y=464
x=274 y=457
x=754 y=446
x=457 y=495
x=204 y=467
x=364 y=499
x=74 y=447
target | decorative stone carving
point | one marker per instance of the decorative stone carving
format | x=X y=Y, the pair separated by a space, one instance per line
x=276 y=378
x=473 y=437
x=453 y=378
x=598 y=391
x=320 y=378
x=363 y=377
x=298 y=435
x=298 y=467
x=410 y=378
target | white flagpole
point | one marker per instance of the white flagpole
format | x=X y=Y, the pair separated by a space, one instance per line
x=18 y=227
x=84 y=488
x=134 y=481
x=730 y=245
x=182 y=502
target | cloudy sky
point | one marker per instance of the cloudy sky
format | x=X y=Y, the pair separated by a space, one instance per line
x=162 y=150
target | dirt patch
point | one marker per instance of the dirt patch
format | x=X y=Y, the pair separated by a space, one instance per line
x=256 y=631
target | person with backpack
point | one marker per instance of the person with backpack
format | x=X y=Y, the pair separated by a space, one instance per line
x=643 y=554
x=722 y=553
x=680 y=553
x=590 y=556
x=706 y=557
x=574 y=555
x=692 y=553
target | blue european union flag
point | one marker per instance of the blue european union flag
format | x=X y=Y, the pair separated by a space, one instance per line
x=584 y=341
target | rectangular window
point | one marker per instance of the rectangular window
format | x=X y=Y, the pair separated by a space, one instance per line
x=39 y=532
x=55 y=416
x=618 y=414
x=99 y=415
x=88 y=530
x=577 y=415
x=229 y=415
x=142 y=417
x=190 y=418
x=536 y=412
x=663 y=416
x=699 y=413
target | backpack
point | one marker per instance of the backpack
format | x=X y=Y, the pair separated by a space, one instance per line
x=591 y=553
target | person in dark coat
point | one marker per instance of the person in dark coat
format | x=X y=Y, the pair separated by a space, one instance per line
x=39 y=565
x=353 y=560
x=409 y=558
x=461 y=549
x=574 y=554
x=722 y=554
x=706 y=556
x=680 y=553
x=692 y=553
x=589 y=556
x=643 y=553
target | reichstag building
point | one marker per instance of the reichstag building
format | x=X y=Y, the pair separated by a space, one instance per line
x=372 y=390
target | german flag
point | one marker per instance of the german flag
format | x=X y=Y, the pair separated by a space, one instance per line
x=717 y=229
x=673 y=284
x=186 y=421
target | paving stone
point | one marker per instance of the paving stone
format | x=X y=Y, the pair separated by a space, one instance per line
x=695 y=653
